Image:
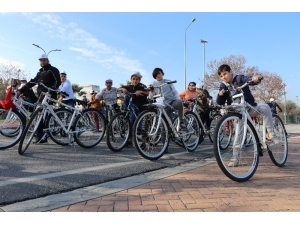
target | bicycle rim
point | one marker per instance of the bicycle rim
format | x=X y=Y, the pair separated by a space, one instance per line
x=247 y=155
x=212 y=126
x=150 y=138
x=89 y=128
x=278 y=152
x=117 y=132
x=11 y=128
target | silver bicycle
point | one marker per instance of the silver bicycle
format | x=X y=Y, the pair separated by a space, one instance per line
x=64 y=125
x=153 y=129
x=240 y=159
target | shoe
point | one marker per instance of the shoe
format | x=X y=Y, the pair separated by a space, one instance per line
x=233 y=162
x=270 y=136
x=44 y=141
x=143 y=146
x=97 y=131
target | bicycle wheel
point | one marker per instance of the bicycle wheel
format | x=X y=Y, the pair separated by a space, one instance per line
x=150 y=135
x=194 y=133
x=212 y=126
x=227 y=134
x=89 y=128
x=12 y=125
x=239 y=161
x=278 y=151
x=117 y=132
x=54 y=129
x=30 y=130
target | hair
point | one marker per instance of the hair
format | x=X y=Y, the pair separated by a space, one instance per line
x=192 y=82
x=156 y=71
x=223 y=68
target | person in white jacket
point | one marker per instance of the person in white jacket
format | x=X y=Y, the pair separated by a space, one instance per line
x=66 y=86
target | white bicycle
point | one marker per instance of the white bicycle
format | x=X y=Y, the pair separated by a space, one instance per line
x=247 y=142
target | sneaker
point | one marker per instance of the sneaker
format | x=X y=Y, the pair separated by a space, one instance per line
x=233 y=162
x=43 y=141
x=270 y=136
x=97 y=131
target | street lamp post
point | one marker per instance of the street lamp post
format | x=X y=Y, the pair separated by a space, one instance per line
x=203 y=42
x=297 y=100
x=185 y=51
x=285 y=98
x=44 y=50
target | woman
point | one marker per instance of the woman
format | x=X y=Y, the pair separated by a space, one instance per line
x=188 y=93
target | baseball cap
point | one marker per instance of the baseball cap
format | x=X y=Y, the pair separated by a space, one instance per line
x=63 y=72
x=92 y=92
x=84 y=95
x=137 y=74
x=108 y=81
x=271 y=99
x=43 y=56
x=199 y=85
x=24 y=78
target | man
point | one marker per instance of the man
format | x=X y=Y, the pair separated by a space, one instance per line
x=29 y=95
x=66 y=87
x=49 y=76
x=86 y=100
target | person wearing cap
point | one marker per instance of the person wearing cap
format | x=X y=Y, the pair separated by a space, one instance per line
x=49 y=76
x=109 y=95
x=94 y=103
x=140 y=97
x=203 y=102
x=273 y=105
x=170 y=95
x=66 y=87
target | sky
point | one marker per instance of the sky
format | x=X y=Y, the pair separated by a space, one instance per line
x=98 y=42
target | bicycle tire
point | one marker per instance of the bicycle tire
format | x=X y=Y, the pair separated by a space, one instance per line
x=278 y=152
x=54 y=130
x=30 y=130
x=213 y=123
x=151 y=146
x=191 y=140
x=118 y=125
x=89 y=128
x=247 y=155
x=12 y=131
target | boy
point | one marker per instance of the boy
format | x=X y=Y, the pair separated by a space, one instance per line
x=140 y=97
x=229 y=78
x=203 y=101
x=170 y=94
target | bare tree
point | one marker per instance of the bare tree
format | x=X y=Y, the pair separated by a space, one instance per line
x=271 y=86
x=8 y=71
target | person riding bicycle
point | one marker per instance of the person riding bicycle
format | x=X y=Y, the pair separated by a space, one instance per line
x=140 y=97
x=109 y=95
x=188 y=93
x=203 y=102
x=170 y=95
x=49 y=76
x=229 y=78
x=273 y=105
x=29 y=95
x=66 y=87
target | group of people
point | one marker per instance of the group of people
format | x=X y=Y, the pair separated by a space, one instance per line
x=51 y=77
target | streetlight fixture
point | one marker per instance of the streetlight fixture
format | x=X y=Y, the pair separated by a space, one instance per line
x=193 y=20
x=203 y=42
x=44 y=50
x=285 y=98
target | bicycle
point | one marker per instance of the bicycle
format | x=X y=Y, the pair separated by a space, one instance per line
x=63 y=125
x=120 y=126
x=243 y=127
x=153 y=129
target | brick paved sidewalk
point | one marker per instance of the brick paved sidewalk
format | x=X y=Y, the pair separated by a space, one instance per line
x=207 y=189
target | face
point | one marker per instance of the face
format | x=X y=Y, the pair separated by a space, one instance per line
x=159 y=76
x=63 y=77
x=43 y=62
x=192 y=87
x=226 y=76
x=135 y=80
x=108 y=85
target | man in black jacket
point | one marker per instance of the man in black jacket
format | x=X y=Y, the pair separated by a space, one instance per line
x=50 y=77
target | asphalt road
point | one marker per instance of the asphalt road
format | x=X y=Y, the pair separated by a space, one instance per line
x=51 y=169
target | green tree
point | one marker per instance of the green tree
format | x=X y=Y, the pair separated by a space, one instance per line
x=76 y=89
x=128 y=82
